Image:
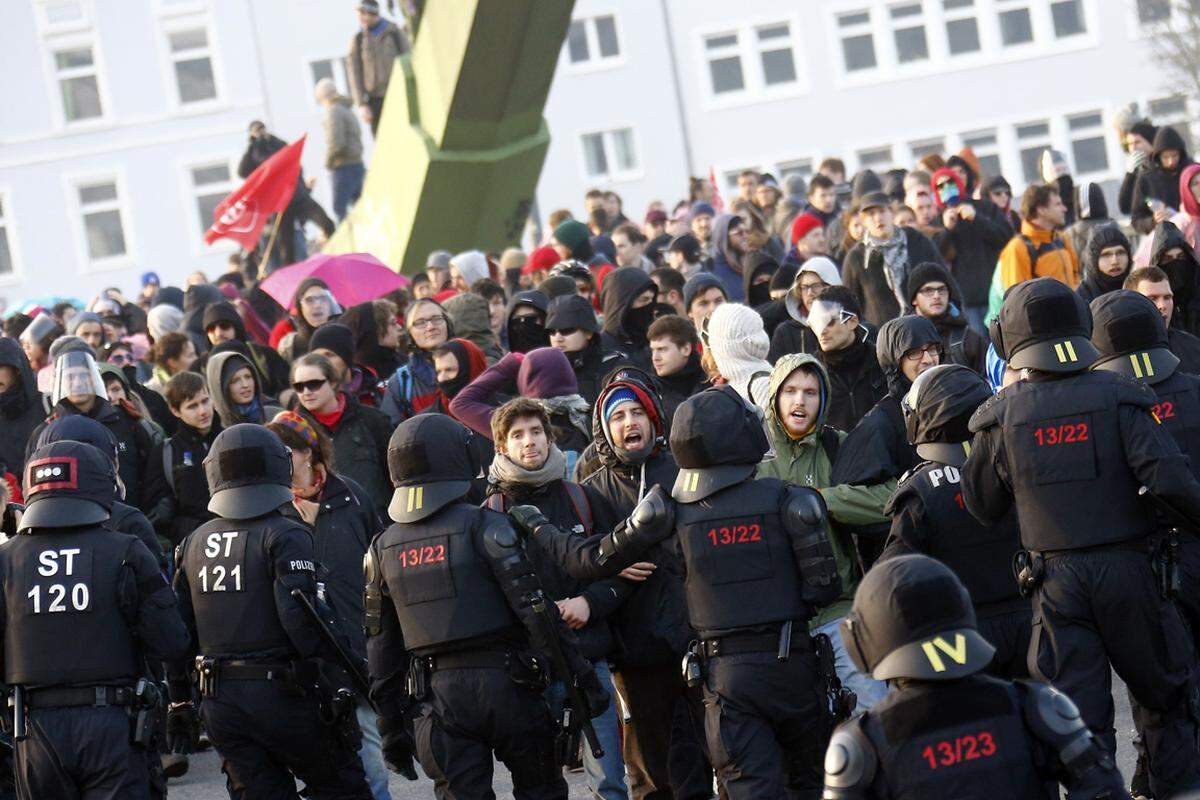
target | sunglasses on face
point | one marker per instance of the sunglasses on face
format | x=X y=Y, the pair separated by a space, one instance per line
x=564 y=332
x=309 y=386
x=120 y=358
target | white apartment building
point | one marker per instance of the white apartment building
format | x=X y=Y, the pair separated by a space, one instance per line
x=124 y=120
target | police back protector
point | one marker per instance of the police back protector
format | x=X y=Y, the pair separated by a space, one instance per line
x=233 y=586
x=442 y=588
x=740 y=569
x=65 y=623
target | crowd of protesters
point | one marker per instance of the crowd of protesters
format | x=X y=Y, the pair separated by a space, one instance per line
x=818 y=300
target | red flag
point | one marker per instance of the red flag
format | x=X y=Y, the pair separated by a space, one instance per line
x=718 y=203
x=269 y=188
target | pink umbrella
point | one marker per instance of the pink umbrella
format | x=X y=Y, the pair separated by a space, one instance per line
x=353 y=278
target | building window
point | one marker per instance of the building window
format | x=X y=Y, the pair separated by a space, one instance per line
x=908 y=31
x=78 y=83
x=1087 y=142
x=58 y=16
x=983 y=145
x=724 y=63
x=1016 y=25
x=801 y=166
x=332 y=68
x=1152 y=11
x=193 y=65
x=609 y=154
x=775 y=54
x=6 y=257
x=962 y=29
x=858 y=46
x=1173 y=111
x=103 y=230
x=875 y=158
x=1033 y=138
x=1068 y=18
x=211 y=183
x=593 y=39
x=926 y=147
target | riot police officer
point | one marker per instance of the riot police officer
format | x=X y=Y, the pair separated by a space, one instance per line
x=1070 y=449
x=928 y=515
x=84 y=606
x=757 y=566
x=269 y=704
x=1131 y=338
x=459 y=628
x=945 y=729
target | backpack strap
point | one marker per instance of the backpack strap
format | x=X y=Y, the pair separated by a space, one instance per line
x=958 y=350
x=168 y=465
x=495 y=502
x=830 y=443
x=583 y=508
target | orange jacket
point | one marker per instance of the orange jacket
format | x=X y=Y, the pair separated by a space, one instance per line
x=1056 y=258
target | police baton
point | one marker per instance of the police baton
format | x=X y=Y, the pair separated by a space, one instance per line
x=576 y=704
x=357 y=674
x=1174 y=517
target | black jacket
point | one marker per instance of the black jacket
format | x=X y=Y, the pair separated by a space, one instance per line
x=792 y=336
x=596 y=639
x=856 y=381
x=621 y=288
x=360 y=450
x=127 y=519
x=1186 y=347
x=345 y=526
x=179 y=505
x=971 y=250
x=679 y=386
x=1183 y=273
x=961 y=344
x=21 y=411
x=869 y=282
x=1157 y=183
x=1096 y=283
x=592 y=365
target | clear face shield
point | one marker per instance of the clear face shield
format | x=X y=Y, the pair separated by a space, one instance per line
x=823 y=314
x=76 y=376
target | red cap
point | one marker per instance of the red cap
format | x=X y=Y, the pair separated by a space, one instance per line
x=803 y=225
x=541 y=259
x=445 y=295
x=655 y=216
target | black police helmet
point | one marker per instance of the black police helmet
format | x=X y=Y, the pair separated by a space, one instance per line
x=431 y=463
x=718 y=440
x=78 y=428
x=937 y=409
x=67 y=484
x=913 y=618
x=1131 y=337
x=1044 y=325
x=249 y=472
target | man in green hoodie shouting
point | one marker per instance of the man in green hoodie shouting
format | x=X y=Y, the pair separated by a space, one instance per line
x=795 y=408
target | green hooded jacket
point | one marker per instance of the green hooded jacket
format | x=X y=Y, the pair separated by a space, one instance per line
x=803 y=462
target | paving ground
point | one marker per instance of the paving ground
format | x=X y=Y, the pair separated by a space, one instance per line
x=205 y=782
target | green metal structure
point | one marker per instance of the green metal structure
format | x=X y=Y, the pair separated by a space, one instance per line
x=462 y=139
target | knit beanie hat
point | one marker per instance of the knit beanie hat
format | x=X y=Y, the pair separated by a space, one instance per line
x=557 y=286
x=921 y=274
x=573 y=234
x=699 y=209
x=300 y=426
x=79 y=319
x=472 y=265
x=163 y=319
x=699 y=283
x=336 y=337
x=438 y=259
x=616 y=398
x=512 y=258
x=803 y=225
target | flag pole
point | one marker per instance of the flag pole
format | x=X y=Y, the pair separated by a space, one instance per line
x=266 y=258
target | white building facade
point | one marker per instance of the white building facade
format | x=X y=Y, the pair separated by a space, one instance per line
x=124 y=120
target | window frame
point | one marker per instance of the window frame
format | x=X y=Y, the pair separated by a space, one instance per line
x=595 y=62
x=52 y=45
x=872 y=150
x=191 y=193
x=178 y=24
x=909 y=22
x=8 y=224
x=749 y=50
x=341 y=76
x=1099 y=130
x=971 y=12
x=47 y=28
x=73 y=183
x=613 y=176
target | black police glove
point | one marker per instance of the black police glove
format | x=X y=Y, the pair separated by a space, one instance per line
x=397 y=746
x=528 y=519
x=183 y=728
x=597 y=696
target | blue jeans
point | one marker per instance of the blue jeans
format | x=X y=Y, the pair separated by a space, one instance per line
x=869 y=690
x=347 y=186
x=606 y=777
x=371 y=753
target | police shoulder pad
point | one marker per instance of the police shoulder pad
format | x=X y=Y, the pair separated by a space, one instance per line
x=988 y=413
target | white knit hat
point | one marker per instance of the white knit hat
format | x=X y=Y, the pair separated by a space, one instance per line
x=472 y=265
x=739 y=345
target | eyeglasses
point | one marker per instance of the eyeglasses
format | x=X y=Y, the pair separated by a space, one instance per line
x=929 y=349
x=564 y=332
x=120 y=358
x=813 y=288
x=933 y=291
x=313 y=299
x=428 y=322
x=309 y=386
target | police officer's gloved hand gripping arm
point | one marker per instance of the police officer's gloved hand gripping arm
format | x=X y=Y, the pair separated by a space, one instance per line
x=603 y=555
x=505 y=554
x=387 y=664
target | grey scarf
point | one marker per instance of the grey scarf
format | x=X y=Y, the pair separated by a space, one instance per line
x=895 y=261
x=509 y=474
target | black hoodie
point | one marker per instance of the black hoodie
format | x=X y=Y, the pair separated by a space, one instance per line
x=625 y=327
x=525 y=336
x=1095 y=282
x=1184 y=274
x=1157 y=183
x=21 y=408
x=270 y=364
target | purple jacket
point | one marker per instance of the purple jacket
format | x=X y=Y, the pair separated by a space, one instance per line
x=541 y=373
